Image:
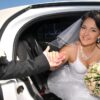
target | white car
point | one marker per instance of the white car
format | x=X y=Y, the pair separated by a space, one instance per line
x=37 y=24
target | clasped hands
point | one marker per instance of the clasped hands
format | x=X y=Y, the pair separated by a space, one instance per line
x=54 y=58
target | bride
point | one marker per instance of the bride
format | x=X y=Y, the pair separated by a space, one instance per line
x=80 y=52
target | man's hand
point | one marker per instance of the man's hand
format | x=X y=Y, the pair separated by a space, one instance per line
x=54 y=58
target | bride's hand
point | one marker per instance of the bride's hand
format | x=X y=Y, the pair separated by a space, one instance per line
x=54 y=58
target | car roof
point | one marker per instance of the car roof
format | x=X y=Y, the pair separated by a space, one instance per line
x=6 y=13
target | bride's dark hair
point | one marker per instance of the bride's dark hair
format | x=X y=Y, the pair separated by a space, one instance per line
x=95 y=15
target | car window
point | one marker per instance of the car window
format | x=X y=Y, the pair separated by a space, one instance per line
x=47 y=29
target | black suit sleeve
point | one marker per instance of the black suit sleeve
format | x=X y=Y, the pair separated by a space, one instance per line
x=24 y=68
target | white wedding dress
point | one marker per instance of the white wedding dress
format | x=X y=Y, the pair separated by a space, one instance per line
x=68 y=82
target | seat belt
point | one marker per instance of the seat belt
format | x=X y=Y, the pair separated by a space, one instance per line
x=1 y=94
x=30 y=88
x=27 y=81
x=36 y=79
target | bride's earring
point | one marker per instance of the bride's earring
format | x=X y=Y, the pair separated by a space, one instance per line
x=98 y=40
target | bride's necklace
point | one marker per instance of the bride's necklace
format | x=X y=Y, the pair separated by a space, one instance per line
x=84 y=56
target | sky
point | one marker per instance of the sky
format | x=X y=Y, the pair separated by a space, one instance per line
x=13 y=3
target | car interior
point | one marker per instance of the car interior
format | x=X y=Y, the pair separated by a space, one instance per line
x=36 y=35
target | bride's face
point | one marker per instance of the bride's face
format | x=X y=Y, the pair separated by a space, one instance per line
x=89 y=32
